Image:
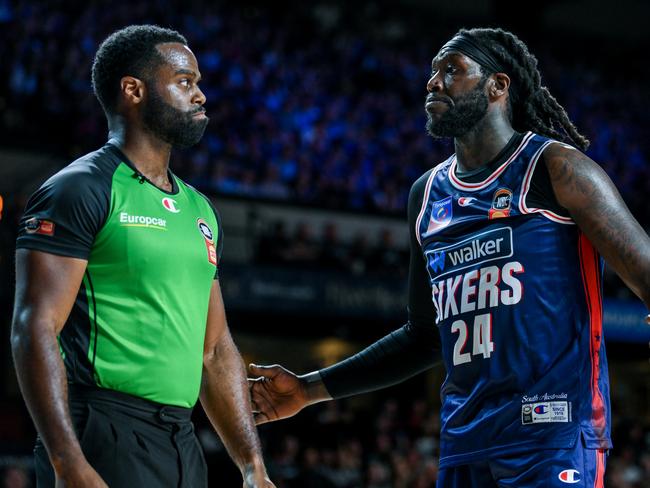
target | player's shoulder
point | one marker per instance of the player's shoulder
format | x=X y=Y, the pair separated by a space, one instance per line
x=90 y=171
x=419 y=185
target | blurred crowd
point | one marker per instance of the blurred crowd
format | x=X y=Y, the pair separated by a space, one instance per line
x=301 y=247
x=318 y=107
x=394 y=443
x=318 y=104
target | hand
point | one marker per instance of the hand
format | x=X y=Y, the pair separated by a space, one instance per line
x=276 y=394
x=81 y=476
x=255 y=477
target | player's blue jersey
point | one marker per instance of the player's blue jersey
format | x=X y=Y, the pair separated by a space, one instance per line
x=517 y=293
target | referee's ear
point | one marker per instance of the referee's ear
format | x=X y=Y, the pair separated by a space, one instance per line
x=132 y=89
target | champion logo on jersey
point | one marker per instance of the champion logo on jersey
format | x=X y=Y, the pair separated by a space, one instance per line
x=441 y=213
x=465 y=201
x=569 y=476
x=541 y=409
x=170 y=204
x=500 y=204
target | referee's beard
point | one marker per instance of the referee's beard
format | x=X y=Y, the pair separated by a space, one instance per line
x=174 y=126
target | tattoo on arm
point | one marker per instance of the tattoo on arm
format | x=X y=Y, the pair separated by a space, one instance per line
x=596 y=206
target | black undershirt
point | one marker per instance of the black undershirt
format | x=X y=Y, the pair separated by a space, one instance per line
x=540 y=194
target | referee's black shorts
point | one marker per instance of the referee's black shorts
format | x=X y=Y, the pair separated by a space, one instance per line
x=131 y=442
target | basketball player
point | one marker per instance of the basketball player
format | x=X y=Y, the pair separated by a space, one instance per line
x=119 y=324
x=506 y=238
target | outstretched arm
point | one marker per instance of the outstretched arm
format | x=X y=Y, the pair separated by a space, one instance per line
x=278 y=393
x=46 y=287
x=585 y=190
x=224 y=396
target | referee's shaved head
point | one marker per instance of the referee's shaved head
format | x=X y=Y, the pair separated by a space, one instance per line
x=128 y=52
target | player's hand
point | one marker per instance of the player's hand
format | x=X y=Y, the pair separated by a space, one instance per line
x=255 y=477
x=81 y=476
x=276 y=394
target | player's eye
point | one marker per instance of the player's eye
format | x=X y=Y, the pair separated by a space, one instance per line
x=450 y=69
x=185 y=82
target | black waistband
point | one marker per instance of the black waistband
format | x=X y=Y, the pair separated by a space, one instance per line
x=136 y=406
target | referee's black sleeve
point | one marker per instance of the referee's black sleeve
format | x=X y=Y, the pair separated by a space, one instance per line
x=65 y=214
x=405 y=352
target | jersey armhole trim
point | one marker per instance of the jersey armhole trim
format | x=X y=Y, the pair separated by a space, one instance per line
x=425 y=200
x=525 y=187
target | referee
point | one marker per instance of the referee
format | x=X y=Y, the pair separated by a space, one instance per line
x=119 y=324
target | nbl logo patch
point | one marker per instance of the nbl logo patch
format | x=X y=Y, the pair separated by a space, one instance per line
x=208 y=237
x=500 y=204
x=38 y=226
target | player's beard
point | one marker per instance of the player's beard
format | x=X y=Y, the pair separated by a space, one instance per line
x=178 y=128
x=462 y=116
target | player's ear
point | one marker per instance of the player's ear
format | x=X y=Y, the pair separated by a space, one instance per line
x=133 y=90
x=500 y=84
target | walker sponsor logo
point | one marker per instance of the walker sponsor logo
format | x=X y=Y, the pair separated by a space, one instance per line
x=127 y=220
x=478 y=249
x=545 y=412
x=441 y=214
x=170 y=204
x=570 y=476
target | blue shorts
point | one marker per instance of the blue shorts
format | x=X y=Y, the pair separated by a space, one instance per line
x=547 y=468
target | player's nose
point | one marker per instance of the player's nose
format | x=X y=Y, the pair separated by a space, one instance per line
x=434 y=84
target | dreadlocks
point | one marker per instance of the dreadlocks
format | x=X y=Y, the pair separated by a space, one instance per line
x=532 y=107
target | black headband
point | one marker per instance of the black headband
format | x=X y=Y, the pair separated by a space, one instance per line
x=464 y=44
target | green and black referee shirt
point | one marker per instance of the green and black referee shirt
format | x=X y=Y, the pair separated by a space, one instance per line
x=138 y=322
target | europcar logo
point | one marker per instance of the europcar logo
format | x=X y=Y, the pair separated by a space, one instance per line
x=127 y=220
x=170 y=204
x=569 y=476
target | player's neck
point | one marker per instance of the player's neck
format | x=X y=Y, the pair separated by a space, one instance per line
x=148 y=154
x=483 y=143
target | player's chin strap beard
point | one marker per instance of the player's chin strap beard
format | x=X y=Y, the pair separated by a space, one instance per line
x=464 y=44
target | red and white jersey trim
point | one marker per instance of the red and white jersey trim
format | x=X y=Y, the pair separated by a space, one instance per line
x=425 y=199
x=455 y=181
x=525 y=187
